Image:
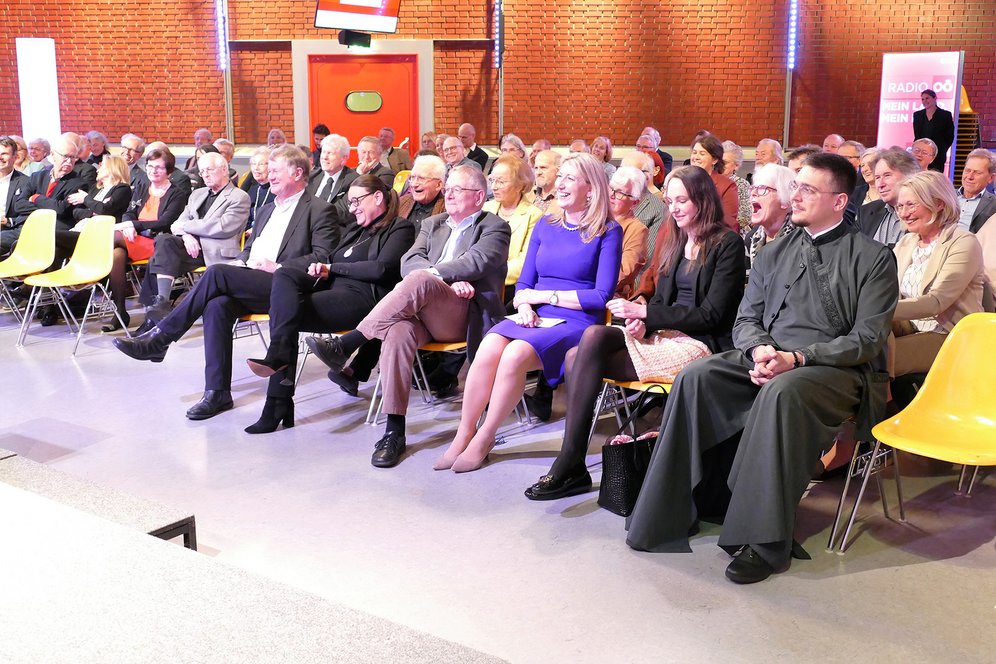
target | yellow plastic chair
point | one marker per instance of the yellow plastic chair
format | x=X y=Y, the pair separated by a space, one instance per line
x=953 y=416
x=613 y=398
x=400 y=179
x=90 y=264
x=420 y=377
x=33 y=252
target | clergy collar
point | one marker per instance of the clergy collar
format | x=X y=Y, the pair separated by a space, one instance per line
x=836 y=231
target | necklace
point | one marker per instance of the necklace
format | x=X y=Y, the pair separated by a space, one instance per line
x=568 y=227
x=349 y=252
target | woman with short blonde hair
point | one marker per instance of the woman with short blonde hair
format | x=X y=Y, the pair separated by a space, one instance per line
x=940 y=272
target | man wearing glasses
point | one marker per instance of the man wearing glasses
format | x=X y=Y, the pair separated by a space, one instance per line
x=424 y=197
x=745 y=428
x=454 y=276
x=47 y=189
x=132 y=149
x=455 y=154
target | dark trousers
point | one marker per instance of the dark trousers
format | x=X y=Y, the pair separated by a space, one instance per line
x=783 y=427
x=297 y=304
x=221 y=297
x=170 y=257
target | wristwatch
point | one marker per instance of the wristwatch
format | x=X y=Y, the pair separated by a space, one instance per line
x=554 y=299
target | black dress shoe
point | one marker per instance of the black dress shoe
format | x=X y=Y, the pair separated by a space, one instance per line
x=150 y=346
x=443 y=384
x=50 y=316
x=540 y=409
x=329 y=351
x=549 y=488
x=388 y=450
x=146 y=325
x=276 y=410
x=159 y=309
x=348 y=384
x=749 y=567
x=212 y=403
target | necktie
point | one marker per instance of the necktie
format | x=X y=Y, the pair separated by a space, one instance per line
x=326 y=193
x=51 y=187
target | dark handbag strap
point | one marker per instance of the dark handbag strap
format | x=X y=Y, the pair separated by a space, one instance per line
x=638 y=405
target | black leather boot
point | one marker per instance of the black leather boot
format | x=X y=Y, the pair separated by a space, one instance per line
x=276 y=410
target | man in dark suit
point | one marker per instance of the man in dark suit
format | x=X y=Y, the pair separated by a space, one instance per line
x=879 y=220
x=936 y=124
x=454 y=277
x=369 y=152
x=296 y=229
x=84 y=170
x=331 y=179
x=468 y=136
x=48 y=189
x=975 y=201
x=11 y=183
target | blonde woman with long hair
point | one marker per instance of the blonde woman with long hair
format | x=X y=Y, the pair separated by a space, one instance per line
x=570 y=272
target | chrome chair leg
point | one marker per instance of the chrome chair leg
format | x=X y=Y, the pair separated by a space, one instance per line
x=971 y=483
x=899 y=486
x=868 y=470
x=961 y=480
x=843 y=496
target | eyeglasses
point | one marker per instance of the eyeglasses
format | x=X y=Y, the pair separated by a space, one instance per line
x=156 y=167
x=211 y=169
x=58 y=156
x=452 y=148
x=809 y=192
x=418 y=179
x=761 y=190
x=355 y=202
x=618 y=193
x=456 y=191
x=912 y=206
x=494 y=182
x=130 y=150
x=921 y=152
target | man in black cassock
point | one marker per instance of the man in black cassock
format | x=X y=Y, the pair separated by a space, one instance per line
x=810 y=353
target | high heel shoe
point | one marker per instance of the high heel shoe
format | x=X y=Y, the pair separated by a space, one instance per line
x=266 y=367
x=115 y=324
x=466 y=464
x=276 y=410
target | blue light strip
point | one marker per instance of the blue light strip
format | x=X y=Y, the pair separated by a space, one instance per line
x=498 y=21
x=221 y=26
x=793 y=30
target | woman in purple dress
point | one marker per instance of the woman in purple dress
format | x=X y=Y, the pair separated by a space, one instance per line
x=570 y=272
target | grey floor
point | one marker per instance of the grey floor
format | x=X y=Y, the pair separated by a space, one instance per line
x=467 y=557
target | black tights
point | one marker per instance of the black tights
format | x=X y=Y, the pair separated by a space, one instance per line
x=600 y=354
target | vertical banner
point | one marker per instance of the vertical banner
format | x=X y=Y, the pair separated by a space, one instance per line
x=39 y=88
x=904 y=78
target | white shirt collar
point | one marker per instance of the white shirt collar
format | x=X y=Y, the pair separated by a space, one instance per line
x=824 y=231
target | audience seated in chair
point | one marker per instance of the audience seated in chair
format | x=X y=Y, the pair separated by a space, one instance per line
x=697 y=280
x=570 y=272
x=297 y=230
x=12 y=182
x=771 y=208
x=802 y=365
x=707 y=154
x=257 y=184
x=333 y=296
x=208 y=231
x=331 y=179
x=451 y=291
x=369 y=152
x=879 y=220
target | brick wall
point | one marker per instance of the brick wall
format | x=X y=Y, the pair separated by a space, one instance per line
x=128 y=65
x=572 y=70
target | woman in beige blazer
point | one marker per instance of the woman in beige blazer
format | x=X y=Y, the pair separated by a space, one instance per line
x=940 y=272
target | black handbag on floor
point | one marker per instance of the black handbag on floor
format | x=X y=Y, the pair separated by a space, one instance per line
x=625 y=463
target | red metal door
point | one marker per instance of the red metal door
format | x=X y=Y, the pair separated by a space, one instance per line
x=356 y=95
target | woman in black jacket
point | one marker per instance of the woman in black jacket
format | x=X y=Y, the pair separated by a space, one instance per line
x=335 y=296
x=699 y=282
x=111 y=199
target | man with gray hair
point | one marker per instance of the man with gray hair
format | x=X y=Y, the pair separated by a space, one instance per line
x=545 y=169
x=369 y=152
x=924 y=151
x=331 y=180
x=975 y=201
x=201 y=137
x=424 y=197
x=852 y=151
x=98 y=147
x=879 y=219
x=132 y=149
x=454 y=277
x=666 y=157
x=395 y=159
x=768 y=151
x=455 y=154
x=227 y=150
x=208 y=231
